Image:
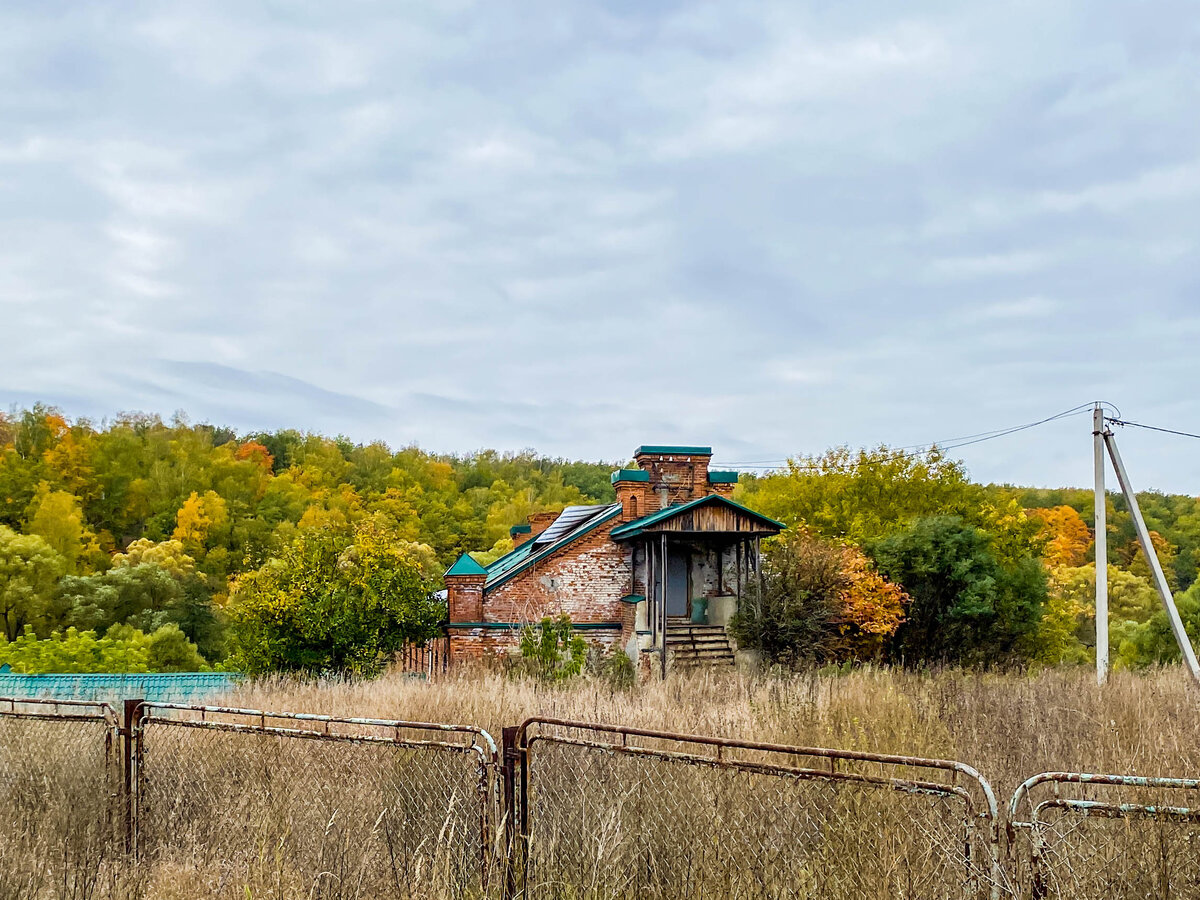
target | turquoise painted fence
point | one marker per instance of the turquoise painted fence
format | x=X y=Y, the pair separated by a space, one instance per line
x=195 y=688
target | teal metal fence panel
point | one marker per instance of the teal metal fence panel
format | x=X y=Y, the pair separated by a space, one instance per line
x=184 y=687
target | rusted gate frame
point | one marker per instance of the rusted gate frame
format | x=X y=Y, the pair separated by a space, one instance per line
x=81 y=711
x=518 y=741
x=1034 y=825
x=306 y=726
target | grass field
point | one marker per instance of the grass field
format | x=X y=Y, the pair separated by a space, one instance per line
x=257 y=823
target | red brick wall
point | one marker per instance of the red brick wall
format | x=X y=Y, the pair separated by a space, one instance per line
x=725 y=489
x=586 y=580
x=684 y=476
x=464 y=597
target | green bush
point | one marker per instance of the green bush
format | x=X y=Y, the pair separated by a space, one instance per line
x=123 y=649
x=551 y=650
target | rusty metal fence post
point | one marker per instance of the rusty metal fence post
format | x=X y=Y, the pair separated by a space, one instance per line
x=1062 y=846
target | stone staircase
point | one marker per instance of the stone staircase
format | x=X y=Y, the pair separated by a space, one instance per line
x=698 y=645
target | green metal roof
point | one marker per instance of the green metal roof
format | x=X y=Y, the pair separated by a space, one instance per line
x=629 y=475
x=637 y=526
x=722 y=477
x=465 y=566
x=671 y=449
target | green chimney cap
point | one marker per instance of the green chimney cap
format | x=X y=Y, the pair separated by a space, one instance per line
x=465 y=566
x=519 y=529
x=629 y=475
x=670 y=450
x=722 y=477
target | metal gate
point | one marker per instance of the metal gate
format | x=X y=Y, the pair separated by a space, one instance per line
x=60 y=796
x=603 y=810
x=308 y=803
x=1075 y=835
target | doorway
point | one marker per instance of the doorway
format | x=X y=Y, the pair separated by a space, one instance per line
x=678 y=591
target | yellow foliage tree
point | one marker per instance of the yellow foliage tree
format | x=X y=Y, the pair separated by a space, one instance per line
x=1067 y=536
x=198 y=518
x=167 y=555
x=56 y=517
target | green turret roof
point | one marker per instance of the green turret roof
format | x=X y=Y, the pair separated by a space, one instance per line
x=466 y=566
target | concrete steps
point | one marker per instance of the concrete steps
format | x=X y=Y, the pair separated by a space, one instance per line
x=698 y=645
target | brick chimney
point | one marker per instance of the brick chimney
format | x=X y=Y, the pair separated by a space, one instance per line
x=520 y=534
x=633 y=492
x=539 y=522
x=464 y=590
x=722 y=483
x=676 y=474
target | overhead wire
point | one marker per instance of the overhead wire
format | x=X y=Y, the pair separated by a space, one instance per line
x=923 y=449
x=1186 y=434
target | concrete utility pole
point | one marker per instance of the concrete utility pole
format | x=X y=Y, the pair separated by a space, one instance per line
x=1101 y=509
x=1160 y=581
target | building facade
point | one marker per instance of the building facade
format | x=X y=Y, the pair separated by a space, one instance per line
x=668 y=560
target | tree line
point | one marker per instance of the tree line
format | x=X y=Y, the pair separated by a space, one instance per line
x=142 y=545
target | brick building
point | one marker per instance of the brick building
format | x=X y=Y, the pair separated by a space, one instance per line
x=660 y=569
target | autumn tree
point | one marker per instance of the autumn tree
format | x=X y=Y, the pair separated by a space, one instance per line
x=29 y=571
x=1068 y=537
x=56 y=516
x=819 y=600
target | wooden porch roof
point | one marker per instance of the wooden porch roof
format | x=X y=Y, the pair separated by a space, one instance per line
x=712 y=515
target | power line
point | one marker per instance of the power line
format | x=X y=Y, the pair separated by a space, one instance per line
x=1186 y=434
x=947 y=444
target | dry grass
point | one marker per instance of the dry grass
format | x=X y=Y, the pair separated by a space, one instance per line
x=1007 y=726
x=231 y=823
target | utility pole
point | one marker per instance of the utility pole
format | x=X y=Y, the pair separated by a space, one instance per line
x=1160 y=581
x=1101 y=509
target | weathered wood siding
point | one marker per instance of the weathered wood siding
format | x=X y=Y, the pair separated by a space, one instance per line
x=713 y=518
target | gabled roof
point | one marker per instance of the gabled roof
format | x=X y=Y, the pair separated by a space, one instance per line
x=639 y=526
x=465 y=566
x=575 y=521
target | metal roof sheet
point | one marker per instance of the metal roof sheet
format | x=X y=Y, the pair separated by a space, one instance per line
x=568 y=520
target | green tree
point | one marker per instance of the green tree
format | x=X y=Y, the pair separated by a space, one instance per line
x=335 y=601
x=1153 y=641
x=966 y=606
x=29 y=571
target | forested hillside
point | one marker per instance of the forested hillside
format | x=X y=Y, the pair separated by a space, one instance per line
x=139 y=544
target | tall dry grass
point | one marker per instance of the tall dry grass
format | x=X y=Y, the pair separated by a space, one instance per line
x=1008 y=726
x=230 y=821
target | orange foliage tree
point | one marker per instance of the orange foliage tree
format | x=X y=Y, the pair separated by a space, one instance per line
x=1068 y=537
x=872 y=608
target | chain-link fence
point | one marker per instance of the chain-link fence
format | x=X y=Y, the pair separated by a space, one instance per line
x=313 y=806
x=1074 y=835
x=60 y=813
x=216 y=801
x=617 y=812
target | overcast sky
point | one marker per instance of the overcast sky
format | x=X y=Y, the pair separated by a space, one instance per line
x=579 y=227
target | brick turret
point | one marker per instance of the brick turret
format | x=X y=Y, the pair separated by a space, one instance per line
x=676 y=474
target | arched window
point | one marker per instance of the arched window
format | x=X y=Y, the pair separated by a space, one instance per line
x=633 y=513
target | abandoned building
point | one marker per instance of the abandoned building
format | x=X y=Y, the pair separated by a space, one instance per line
x=659 y=572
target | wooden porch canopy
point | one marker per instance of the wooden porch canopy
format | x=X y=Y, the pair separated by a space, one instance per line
x=713 y=522
x=713 y=516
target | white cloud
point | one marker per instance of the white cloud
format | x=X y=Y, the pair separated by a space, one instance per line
x=768 y=226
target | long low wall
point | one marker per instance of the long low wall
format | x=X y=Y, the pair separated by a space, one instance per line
x=184 y=687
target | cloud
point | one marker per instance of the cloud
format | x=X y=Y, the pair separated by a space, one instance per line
x=766 y=226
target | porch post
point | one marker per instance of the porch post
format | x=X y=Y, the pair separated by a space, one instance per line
x=663 y=605
x=758 y=564
x=737 y=570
